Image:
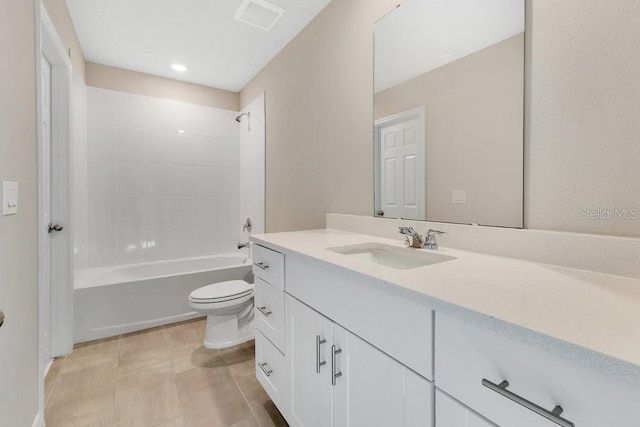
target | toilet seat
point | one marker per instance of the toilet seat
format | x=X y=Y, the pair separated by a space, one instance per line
x=221 y=292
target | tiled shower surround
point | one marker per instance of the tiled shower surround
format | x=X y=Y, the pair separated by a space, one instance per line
x=163 y=179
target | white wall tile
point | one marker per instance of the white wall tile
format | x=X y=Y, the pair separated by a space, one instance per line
x=223 y=183
x=132 y=110
x=131 y=246
x=172 y=116
x=174 y=181
x=131 y=145
x=218 y=152
x=158 y=212
x=101 y=142
x=134 y=179
x=174 y=148
x=101 y=106
x=143 y=245
x=184 y=212
x=131 y=213
x=101 y=178
x=101 y=250
x=101 y=216
x=219 y=123
x=187 y=242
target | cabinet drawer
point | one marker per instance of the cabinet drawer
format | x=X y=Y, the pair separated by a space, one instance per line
x=451 y=413
x=270 y=370
x=466 y=354
x=268 y=265
x=270 y=312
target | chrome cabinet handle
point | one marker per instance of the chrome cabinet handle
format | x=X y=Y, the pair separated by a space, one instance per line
x=334 y=369
x=553 y=415
x=319 y=364
x=1 y=318
x=261 y=265
x=266 y=369
x=264 y=310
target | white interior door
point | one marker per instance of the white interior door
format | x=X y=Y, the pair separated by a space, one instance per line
x=400 y=180
x=45 y=210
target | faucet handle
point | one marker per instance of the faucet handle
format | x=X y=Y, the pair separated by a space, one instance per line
x=406 y=230
x=431 y=232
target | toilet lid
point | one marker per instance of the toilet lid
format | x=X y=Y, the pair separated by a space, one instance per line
x=222 y=290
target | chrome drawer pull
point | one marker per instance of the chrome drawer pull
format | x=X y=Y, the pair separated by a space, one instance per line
x=319 y=364
x=553 y=415
x=266 y=369
x=264 y=310
x=261 y=265
x=334 y=370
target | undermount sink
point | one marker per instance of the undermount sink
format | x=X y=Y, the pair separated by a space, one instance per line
x=391 y=256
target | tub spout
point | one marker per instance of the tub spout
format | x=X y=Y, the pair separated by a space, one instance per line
x=243 y=245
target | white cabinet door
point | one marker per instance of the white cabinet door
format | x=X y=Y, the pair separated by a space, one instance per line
x=372 y=389
x=307 y=348
x=451 y=413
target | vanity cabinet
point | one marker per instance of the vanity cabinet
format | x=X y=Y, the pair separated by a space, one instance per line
x=344 y=350
x=337 y=379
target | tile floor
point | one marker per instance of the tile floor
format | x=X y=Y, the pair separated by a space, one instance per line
x=161 y=377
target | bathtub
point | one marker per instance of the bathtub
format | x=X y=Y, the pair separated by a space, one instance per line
x=116 y=300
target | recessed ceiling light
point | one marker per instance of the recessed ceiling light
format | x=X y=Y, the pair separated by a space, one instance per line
x=179 y=67
x=180 y=130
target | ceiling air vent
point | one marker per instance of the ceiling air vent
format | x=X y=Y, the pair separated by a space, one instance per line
x=259 y=13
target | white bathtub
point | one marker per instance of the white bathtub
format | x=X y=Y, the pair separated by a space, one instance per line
x=115 y=300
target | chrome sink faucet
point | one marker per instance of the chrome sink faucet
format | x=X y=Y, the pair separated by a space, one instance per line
x=415 y=240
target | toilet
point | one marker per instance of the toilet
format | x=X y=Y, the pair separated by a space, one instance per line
x=229 y=308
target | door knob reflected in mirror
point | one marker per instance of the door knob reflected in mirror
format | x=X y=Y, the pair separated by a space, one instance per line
x=55 y=227
x=1 y=318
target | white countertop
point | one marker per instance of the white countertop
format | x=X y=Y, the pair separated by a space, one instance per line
x=596 y=312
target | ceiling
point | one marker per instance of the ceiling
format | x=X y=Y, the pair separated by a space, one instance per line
x=421 y=35
x=150 y=35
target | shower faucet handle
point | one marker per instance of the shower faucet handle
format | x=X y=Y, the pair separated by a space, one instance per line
x=248 y=225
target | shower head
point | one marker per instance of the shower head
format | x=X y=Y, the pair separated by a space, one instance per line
x=239 y=118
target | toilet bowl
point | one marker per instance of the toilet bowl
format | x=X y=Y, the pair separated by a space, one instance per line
x=229 y=308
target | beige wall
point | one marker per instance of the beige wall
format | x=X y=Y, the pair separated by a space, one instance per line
x=319 y=117
x=583 y=148
x=18 y=233
x=61 y=19
x=107 y=77
x=474 y=110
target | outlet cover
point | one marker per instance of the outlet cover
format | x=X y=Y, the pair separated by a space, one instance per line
x=458 y=197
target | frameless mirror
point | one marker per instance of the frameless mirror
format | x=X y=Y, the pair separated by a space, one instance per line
x=449 y=112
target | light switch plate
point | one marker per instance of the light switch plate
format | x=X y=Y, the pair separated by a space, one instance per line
x=9 y=198
x=458 y=197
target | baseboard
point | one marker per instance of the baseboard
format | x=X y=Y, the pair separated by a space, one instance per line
x=39 y=421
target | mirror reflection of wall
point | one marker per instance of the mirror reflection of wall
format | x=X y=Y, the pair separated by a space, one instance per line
x=449 y=97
